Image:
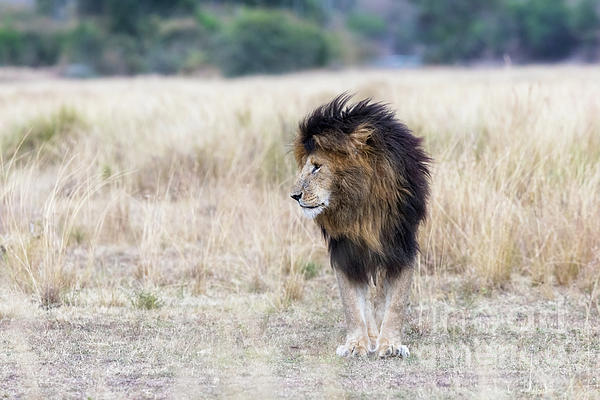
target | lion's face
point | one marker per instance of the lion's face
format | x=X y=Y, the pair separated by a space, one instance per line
x=312 y=189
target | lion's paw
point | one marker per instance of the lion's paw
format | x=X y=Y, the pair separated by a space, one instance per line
x=353 y=348
x=386 y=349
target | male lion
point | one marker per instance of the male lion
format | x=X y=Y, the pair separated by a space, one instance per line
x=364 y=179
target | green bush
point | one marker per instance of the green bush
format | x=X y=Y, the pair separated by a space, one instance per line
x=182 y=45
x=368 y=25
x=208 y=21
x=270 y=41
x=310 y=269
x=146 y=300
x=584 y=22
x=170 y=46
x=123 y=54
x=29 y=48
x=540 y=30
x=51 y=132
x=543 y=28
x=86 y=43
x=461 y=30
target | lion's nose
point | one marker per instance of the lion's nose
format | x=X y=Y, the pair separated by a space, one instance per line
x=296 y=196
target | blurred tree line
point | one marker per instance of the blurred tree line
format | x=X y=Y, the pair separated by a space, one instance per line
x=526 y=30
x=269 y=36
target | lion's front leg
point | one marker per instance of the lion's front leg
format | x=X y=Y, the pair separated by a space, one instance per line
x=359 y=318
x=397 y=291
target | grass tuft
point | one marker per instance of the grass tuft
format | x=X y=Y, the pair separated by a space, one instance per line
x=146 y=300
x=50 y=297
x=310 y=269
x=52 y=133
x=291 y=291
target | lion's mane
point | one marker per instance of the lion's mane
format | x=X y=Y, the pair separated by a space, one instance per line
x=381 y=185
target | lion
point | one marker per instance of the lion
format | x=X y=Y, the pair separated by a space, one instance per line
x=364 y=179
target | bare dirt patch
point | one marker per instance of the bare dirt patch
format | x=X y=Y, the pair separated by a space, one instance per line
x=508 y=345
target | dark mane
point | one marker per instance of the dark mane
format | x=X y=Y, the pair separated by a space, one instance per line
x=383 y=185
x=335 y=118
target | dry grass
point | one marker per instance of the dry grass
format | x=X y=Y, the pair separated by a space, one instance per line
x=177 y=189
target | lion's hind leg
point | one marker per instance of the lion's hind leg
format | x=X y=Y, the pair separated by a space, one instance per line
x=397 y=291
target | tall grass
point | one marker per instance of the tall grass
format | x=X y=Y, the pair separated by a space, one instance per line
x=185 y=181
x=37 y=231
x=51 y=135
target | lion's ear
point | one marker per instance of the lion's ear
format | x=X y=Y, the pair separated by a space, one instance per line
x=360 y=137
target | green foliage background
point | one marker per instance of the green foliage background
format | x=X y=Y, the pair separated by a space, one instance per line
x=240 y=37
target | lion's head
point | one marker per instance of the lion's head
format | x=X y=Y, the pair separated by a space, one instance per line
x=312 y=189
x=363 y=176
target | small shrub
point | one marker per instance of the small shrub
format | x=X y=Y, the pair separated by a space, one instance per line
x=208 y=21
x=368 y=25
x=123 y=55
x=543 y=28
x=85 y=43
x=53 y=131
x=310 y=269
x=265 y=41
x=50 y=297
x=257 y=284
x=77 y=235
x=196 y=277
x=291 y=291
x=145 y=300
x=107 y=172
x=178 y=46
x=34 y=268
x=29 y=48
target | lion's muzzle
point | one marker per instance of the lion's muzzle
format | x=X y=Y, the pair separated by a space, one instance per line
x=296 y=196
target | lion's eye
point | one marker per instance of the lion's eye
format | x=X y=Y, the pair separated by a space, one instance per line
x=316 y=167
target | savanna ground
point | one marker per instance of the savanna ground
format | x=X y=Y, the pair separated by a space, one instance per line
x=149 y=248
